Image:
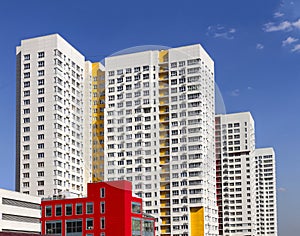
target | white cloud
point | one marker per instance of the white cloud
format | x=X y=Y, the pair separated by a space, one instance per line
x=249 y=88
x=296 y=48
x=283 y=26
x=271 y=27
x=296 y=24
x=260 y=46
x=289 y=40
x=278 y=14
x=281 y=189
x=235 y=93
x=220 y=31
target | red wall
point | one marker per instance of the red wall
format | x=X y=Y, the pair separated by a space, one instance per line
x=118 y=199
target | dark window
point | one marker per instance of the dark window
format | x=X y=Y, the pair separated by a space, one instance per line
x=69 y=209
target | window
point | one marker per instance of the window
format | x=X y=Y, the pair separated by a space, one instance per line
x=73 y=227
x=102 y=192
x=26 y=93
x=26 y=57
x=79 y=208
x=41 y=118
x=136 y=207
x=89 y=223
x=41 y=136
x=26 y=102
x=41 y=109
x=40 y=100
x=102 y=223
x=89 y=208
x=48 y=211
x=41 y=91
x=69 y=209
x=40 y=192
x=41 y=82
x=136 y=226
x=26 y=120
x=53 y=227
x=41 y=173
x=41 y=63
x=41 y=183
x=26 y=84
x=102 y=207
x=58 y=210
x=41 y=164
x=41 y=54
x=41 y=72
x=40 y=146
x=41 y=155
x=26 y=75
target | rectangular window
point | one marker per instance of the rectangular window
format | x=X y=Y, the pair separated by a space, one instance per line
x=41 y=73
x=136 y=227
x=102 y=192
x=102 y=207
x=26 y=57
x=89 y=224
x=26 y=75
x=41 y=63
x=89 y=208
x=69 y=209
x=136 y=207
x=48 y=211
x=53 y=227
x=102 y=223
x=74 y=227
x=41 y=54
x=79 y=208
x=58 y=210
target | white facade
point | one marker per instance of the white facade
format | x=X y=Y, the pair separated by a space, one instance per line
x=19 y=212
x=266 y=202
x=238 y=185
x=53 y=110
x=159 y=134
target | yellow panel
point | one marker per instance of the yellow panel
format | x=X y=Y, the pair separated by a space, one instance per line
x=197 y=221
x=162 y=55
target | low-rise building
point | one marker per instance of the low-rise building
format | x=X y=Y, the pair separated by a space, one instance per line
x=19 y=213
x=108 y=210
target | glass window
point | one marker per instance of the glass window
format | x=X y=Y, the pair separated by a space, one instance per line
x=53 y=227
x=69 y=209
x=48 y=210
x=79 y=208
x=58 y=210
x=89 y=223
x=136 y=207
x=102 y=207
x=102 y=192
x=102 y=223
x=148 y=227
x=73 y=226
x=89 y=208
x=136 y=227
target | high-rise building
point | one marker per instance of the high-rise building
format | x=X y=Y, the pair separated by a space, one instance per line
x=53 y=127
x=241 y=179
x=266 y=201
x=98 y=106
x=159 y=134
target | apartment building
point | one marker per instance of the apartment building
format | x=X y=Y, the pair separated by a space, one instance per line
x=159 y=134
x=19 y=213
x=98 y=106
x=241 y=180
x=53 y=130
x=265 y=187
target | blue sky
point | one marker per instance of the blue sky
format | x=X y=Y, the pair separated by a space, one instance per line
x=255 y=45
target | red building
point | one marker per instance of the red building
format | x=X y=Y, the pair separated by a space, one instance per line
x=108 y=210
